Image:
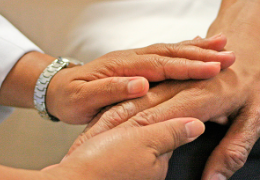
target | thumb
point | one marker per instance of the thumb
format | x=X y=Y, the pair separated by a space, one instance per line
x=166 y=136
x=162 y=137
x=107 y=91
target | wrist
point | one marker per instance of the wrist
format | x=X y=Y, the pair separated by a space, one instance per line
x=48 y=94
x=238 y=20
x=18 y=87
x=52 y=99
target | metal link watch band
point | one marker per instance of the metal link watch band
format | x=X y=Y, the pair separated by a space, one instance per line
x=42 y=85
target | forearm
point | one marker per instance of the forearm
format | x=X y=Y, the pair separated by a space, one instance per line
x=18 y=87
x=239 y=21
x=237 y=16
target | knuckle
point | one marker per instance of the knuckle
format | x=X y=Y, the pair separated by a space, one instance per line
x=236 y=157
x=177 y=134
x=178 y=49
x=145 y=117
x=110 y=67
x=115 y=87
x=115 y=83
x=202 y=54
x=82 y=138
x=115 y=116
x=208 y=55
x=195 y=102
x=158 y=64
x=185 y=69
x=113 y=61
x=161 y=62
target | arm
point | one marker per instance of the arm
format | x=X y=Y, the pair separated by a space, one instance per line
x=8 y=173
x=232 y=95
x=105 y=156
x=13 y=45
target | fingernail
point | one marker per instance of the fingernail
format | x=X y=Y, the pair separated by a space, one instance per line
x=218 y=176
x=226 y=52
x=216 y=36
x=194 y=129
x=136 y=86
x=213 y=63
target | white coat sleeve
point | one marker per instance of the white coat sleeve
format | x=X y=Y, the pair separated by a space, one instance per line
x=13 y=45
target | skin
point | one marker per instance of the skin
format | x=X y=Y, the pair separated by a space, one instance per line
x=113 y=77
x=126 y=148
x=230 y=97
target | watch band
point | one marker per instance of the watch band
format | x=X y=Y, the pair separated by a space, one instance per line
x=43 y=82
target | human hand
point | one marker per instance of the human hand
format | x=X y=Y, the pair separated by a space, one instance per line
x=76 y=95
x=230 y=97
x=128 y=153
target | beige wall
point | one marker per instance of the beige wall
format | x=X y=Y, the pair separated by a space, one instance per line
x=26 y=140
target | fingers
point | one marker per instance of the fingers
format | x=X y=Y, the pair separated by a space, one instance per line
x=108 y=91
x=176 y=68
x=172 y=99
x=86 y=99
x=190 y=59
x=232 y=152
x=183 y=69
x=120 y=113
x=182 y=53
x=197 y=49
x=197 y=105
x=166 y=136
x=216 y=43
x=158 y=68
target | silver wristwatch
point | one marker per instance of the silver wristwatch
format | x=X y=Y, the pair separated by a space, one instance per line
x=43 y=82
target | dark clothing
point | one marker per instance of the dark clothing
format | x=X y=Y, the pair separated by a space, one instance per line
x=188 y=161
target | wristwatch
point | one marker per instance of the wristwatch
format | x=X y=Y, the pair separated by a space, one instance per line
x=44 y=80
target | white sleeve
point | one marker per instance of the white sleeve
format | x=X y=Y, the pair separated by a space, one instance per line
x=13 y=45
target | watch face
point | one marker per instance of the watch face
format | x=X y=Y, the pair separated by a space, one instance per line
x=73 y=62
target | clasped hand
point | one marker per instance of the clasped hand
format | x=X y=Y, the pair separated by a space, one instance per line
x=76 y=95
x=230 y=97
x=131 y=152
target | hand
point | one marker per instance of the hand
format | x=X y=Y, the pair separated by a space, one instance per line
x=232 y=96
x=128 y=153
x=76 y=95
